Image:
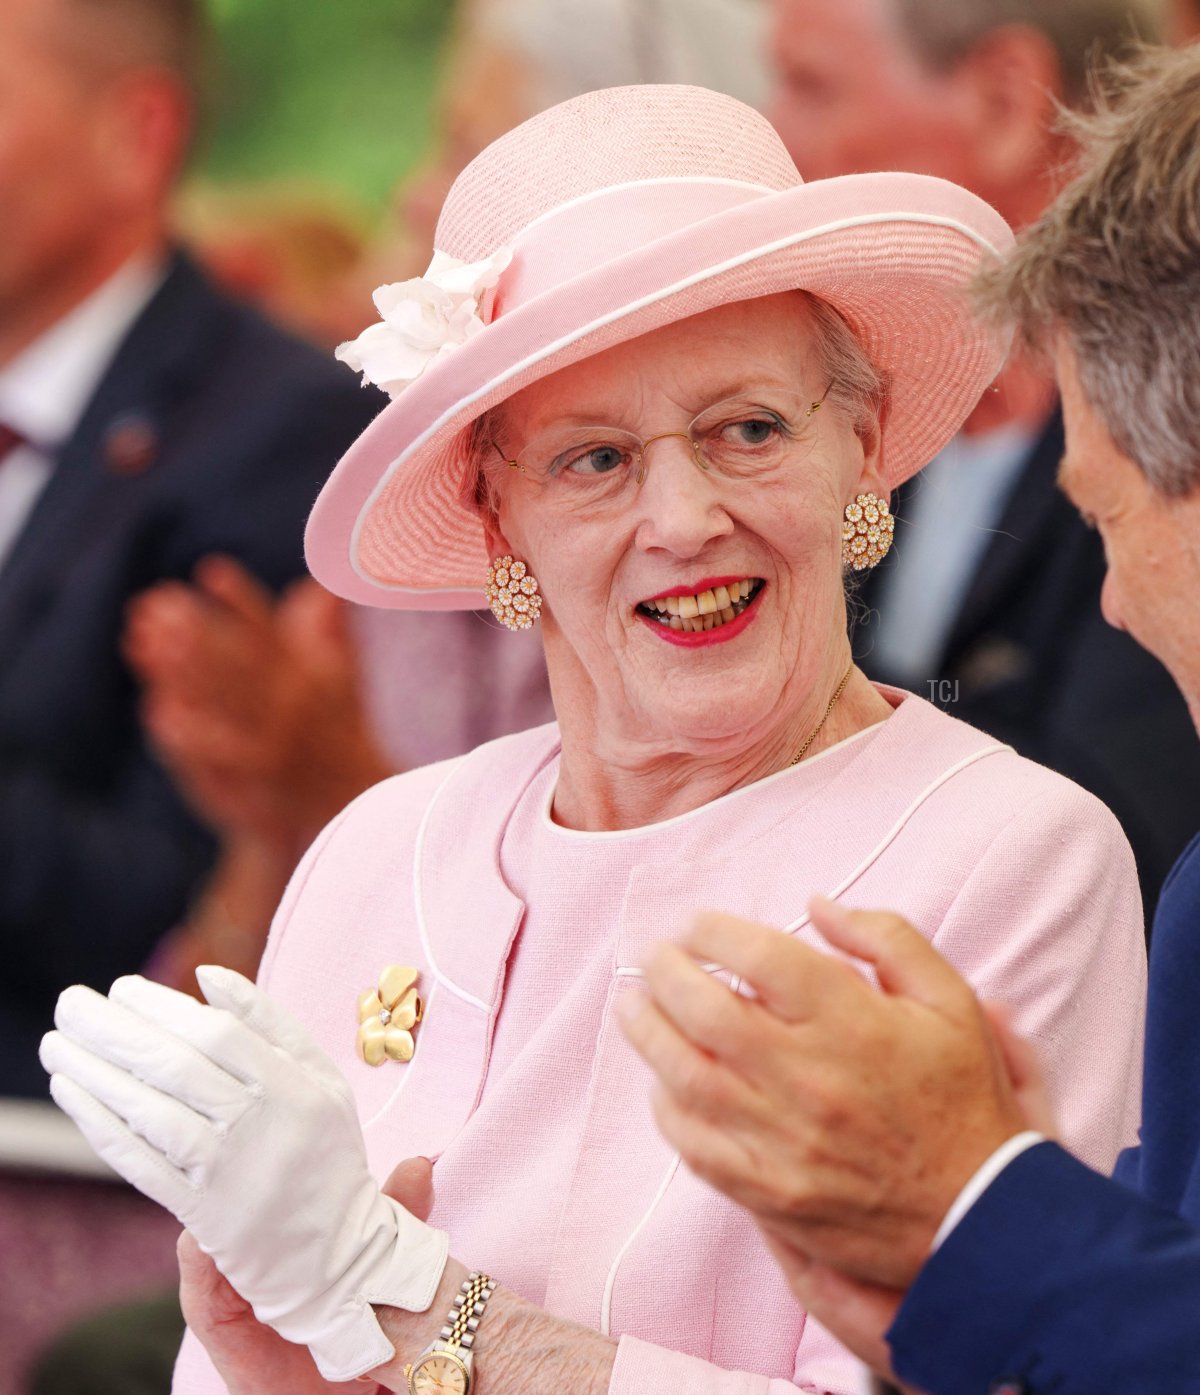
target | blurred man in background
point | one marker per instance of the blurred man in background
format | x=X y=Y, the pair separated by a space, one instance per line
x=989 y=602
x=145 y=421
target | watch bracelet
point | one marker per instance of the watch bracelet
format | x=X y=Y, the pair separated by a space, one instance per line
x=462 y=1321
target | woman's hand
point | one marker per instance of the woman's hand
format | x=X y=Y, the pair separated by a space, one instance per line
x=848 y=1119
x=234 y=1119
x=519 y=1347
x=250 y=1357
x=253 y=705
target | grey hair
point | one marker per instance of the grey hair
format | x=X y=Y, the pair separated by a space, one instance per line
x=857 y=389
x=1114 y=266
x=943 y=32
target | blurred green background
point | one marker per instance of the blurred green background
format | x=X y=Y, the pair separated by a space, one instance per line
x=330 y=92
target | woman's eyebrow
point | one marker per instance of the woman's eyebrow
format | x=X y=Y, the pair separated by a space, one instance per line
x=747 y=385
x=629 y=418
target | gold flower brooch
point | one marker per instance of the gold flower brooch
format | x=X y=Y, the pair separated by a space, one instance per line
x=387 y=1016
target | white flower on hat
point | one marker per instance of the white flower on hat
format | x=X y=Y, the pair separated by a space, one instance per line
x=424 y=318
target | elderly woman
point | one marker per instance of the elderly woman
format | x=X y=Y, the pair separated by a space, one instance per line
x=664 y=388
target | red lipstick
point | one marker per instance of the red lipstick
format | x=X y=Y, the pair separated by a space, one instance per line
x=708 y=584
x=696 y=639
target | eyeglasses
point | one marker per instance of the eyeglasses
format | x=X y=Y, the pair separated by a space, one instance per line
x=744 y=437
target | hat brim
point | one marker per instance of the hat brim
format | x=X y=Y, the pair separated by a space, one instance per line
x=396 y=525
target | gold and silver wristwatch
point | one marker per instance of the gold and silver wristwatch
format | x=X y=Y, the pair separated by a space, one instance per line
x=444 y=1367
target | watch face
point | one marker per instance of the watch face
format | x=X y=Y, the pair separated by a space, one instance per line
x=439 y=1375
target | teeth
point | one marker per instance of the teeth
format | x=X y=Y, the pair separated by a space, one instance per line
x=718 y=606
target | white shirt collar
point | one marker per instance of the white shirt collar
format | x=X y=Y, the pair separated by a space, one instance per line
x=45 y=389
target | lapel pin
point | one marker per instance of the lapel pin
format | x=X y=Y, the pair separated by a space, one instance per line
x=130 y=445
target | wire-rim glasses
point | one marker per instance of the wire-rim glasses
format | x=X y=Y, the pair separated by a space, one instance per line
x=742 y=437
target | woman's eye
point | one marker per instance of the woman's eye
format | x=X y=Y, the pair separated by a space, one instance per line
x=596 y=460
x=756 y=431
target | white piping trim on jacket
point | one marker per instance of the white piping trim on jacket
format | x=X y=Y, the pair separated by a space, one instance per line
x=873 y=855
x=422 y=929
x=894 y=832
x=863 y=220
x=606 y=1301
x=406 y=1076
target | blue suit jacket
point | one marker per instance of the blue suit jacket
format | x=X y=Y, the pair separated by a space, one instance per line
x=211 y=431
x=1059 y=1280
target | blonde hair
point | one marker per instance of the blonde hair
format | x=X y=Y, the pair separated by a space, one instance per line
x=1114 y=265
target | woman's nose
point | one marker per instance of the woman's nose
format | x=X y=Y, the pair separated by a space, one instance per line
x=678 y=503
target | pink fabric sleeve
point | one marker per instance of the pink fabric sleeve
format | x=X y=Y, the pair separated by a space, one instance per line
x=194 y=1372
x=1050 y=923
x=641 y=1368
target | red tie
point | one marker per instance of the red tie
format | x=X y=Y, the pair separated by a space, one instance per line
x=9 y=441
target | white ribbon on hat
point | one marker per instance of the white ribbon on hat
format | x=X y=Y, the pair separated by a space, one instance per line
x=424 y=318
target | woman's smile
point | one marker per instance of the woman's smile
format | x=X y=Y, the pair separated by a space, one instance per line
x=711 y=612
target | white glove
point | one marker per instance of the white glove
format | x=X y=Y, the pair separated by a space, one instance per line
x=234 y=1119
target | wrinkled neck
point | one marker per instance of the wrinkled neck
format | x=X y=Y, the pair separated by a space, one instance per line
x=607 y=783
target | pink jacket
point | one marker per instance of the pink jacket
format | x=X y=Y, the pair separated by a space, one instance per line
x=1022 y=879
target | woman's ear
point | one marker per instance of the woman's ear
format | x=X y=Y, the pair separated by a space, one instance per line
x=872 y=478
x=497 y=544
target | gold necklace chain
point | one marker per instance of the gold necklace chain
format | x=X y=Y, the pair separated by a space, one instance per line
x=816 y=731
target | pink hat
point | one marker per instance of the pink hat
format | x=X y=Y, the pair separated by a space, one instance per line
x=595 y=222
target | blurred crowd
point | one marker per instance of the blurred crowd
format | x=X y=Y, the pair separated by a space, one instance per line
x=182 y=710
